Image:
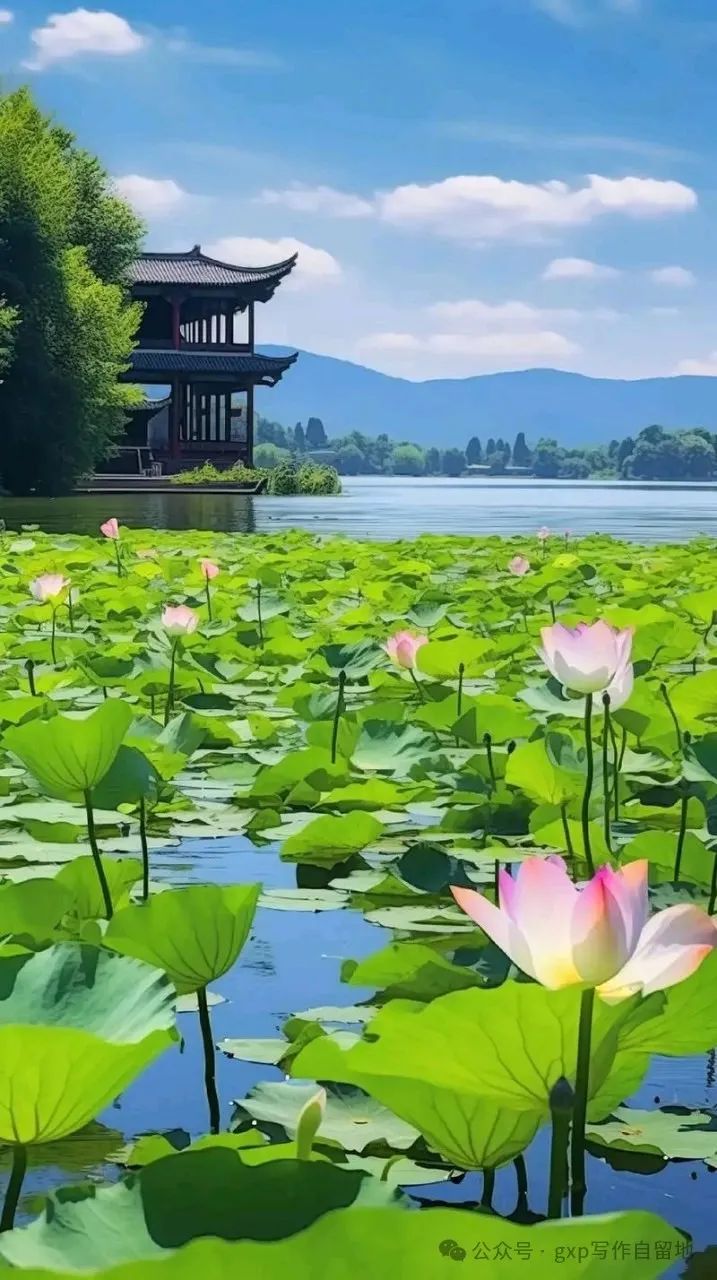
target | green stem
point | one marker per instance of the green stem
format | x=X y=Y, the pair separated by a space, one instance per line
x=30 y=668
x=145 y=848
x=208 y=594
x=682 y=832
x=14 y=1186
x=561 y=1103
x=461 y=673
x=615 y=773
x=713 y=889
x=170 y=687
x=578 y=1188
x=589 y=776
x=258 y=614
x=337 y=716
x=552 y=611
x=210 y=1081
x=118 y=556
x=52 y=635
x=70 y=610
x=521 y=1174
x=606 y=770
x=488 y=744
x=496 y=880
x=97 y=856
x=486 y=1199
x=569 y=849
x=671 y=709
x=417 y=683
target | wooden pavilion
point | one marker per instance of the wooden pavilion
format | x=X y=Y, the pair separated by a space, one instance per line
x=197 y=338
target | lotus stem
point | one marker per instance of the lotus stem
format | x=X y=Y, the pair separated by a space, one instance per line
x=684 y=802
x=488 y=744
x=258 y=614
x=30 y=668
x=552 y=611
x=496 y=880
x=615 y=772
x=562 y=1100
x=671 y=709
x=417 y=683
x=97 y=856
x=53 y=625
x=337 y=715
x=70 y=610
x=461 y=673
x=210 y=1079
x=208 y=594
x=569 y=848
x=713 y=889
x=606 y=769
x=589 y=775
x=578 y=1187
x=521 y=1175
x=145 y=848
x=14 y=1186
x=118 y=557
x=486 y=1200
x=169 y=704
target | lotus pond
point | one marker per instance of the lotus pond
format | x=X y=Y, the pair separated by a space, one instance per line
x=258 y=1013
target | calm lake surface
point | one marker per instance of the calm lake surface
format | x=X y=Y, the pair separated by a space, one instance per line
x=387 y=507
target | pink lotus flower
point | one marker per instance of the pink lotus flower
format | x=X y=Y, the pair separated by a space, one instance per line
x=48 y=587
x=179 y=620
x=209 y=569
x=596 y=936
x=110 y=529
x=403 y=647
x=589 y=659
x=543 y=534
x=519 y=566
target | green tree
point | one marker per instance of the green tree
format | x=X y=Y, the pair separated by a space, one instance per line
x=272 y=433
x=350 y=461
x=433 y=462
x=522 y=457
x=625 y=449
x=61 y=402
x=316 y=434
x=474 y=452
x=299 y=438
x=408 y=460
x=453 y=462
x=490 y=447
x=270 y=455
x=8 y=321
x=547 y=459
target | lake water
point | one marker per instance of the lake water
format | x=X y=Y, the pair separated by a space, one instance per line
x=397 y=507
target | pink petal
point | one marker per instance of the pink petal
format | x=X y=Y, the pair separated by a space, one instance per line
x=606 y=925
x=496 y=924
x=672 y=946
x=542 y=909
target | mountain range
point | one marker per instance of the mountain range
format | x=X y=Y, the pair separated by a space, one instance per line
x=569 y=407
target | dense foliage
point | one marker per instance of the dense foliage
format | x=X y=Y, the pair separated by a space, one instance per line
x=66 y=325
x=263 y=705
x=282 y=475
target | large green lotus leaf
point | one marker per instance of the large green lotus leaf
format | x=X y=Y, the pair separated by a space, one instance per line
x=313 y=766
x=443 y=658
x=531 y=769
x=676 y=1133
x=114 y=997
x=328 y=840
x=195 y=934
x=352 y=1118
x=498 y=715
x=695 y=698
x=660 y=848
x=467 y=1128
x=130 y=778
x=209 y=1192
x=376 y=793
x=76 y=1154
x=55 y=1079
x=68 y=756
x=384 y=746
x=409 y=970
x=79 y=877
x=357 y=659
x=509 y=1044
x=390 y=1245
x=687 y=1022
x=33 y=908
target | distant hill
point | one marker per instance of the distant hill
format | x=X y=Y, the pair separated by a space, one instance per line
x=572 y=408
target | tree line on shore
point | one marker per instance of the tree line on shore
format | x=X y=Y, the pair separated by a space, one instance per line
x=653 y=454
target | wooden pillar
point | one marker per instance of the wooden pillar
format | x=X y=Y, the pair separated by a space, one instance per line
x=250 y=426
x=175 y=410
x=176 y=321
x=251 y=326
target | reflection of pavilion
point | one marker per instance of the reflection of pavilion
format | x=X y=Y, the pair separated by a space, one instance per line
x=197 y=338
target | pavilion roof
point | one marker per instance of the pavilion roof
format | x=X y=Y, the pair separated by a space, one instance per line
x=196 y=268
x=250 y=366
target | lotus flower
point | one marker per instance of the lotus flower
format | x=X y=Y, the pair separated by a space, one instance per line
x=596 y=936
x=519 y=566
x=209 y=569
x=180 y=620
x=48 y=587
x=110 y=529
x=543 y=534
x=403 y=647
x=589 y=659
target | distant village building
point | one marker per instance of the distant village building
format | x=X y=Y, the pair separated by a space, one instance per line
x=197 y=339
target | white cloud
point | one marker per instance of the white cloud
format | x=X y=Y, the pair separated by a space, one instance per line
x=675 y=277
x=314 y=266
x=705 y=368
x=321 y=199
x=83 y=31
x=6 y=16
x=539 y=344
x=477 y=314
x=151 y=197
x=482 y=206
x=578 y=269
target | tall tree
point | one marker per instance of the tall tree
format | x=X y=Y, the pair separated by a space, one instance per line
x=433 y=461
x=61 y=404
x=299 y=438
x=490 y=447
x=315 y=434
x=474 y=452
x=522 y=457
x=453 y=462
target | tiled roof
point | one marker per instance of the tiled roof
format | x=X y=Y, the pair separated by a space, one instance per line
x=198 y=363
x=195 y=268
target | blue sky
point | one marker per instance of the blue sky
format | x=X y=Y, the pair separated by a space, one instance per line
x=472 y=186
